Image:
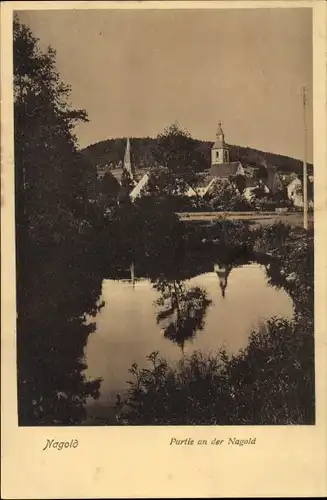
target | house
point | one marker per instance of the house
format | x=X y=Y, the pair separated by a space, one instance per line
x=286 y=177
x=190 y=192
x=295 y=191
x=202 y=191
x=138 y=189
x=221 y=167
x=219 y=150
x=226 y=170
x=204 y=183
x=251 y=186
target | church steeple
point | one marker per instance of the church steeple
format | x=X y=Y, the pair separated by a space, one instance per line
x=220 y=150
x=127 y=159
x=220 y=134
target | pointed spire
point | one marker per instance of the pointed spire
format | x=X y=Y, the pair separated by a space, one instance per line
x=220 y=132
x=127 y=159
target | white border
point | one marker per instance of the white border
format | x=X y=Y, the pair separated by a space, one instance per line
x=138 y=462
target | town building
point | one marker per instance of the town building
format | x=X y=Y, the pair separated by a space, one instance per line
x=264 y=176
x=295 y=191
x=220 y=155
x=127 y=164
x=137 y=191
x=219 y=150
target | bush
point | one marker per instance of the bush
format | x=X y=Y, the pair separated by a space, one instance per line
x=269 y=202
x=231 y=232
x=224 y=196
x=270 y=382
x=272 y=237
x=292 y=266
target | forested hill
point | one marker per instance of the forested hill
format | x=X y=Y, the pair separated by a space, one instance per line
x=110 y=153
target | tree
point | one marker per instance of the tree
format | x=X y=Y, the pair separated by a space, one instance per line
x=183 y=310
x=225 y=196
x=56 y=286
x=108 y=186
x=51 y=176
x=240 y=182
x=176 y=152
x=164 y=183
x=127 y=181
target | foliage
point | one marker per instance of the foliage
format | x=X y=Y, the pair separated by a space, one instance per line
x=310 y=188
x=112 y=150
x=135 y=232
x=54 y=186
x=240 y=182
x=270 y=382
x=174 y=161
x=127 y=181
x=271 y=237
x=164 y=183
x=107 y=188
x=225 y=196
x=293 y=264
x=183 y=310
x=175 y=150
x=46 y=158
x=270 y=201
x=230 y=233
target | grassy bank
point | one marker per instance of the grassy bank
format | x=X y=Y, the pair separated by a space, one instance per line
x=295 y=219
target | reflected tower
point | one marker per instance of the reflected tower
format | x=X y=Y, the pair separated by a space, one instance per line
x=222 y=273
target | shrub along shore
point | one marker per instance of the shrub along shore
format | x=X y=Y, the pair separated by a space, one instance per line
x=270 y=382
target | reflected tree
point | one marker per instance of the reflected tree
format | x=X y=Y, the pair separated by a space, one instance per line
x=52 y=332
x=183 y=312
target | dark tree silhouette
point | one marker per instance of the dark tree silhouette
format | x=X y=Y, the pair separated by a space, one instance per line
x=54 y=186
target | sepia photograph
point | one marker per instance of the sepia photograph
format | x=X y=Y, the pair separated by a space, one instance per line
x=164 y=217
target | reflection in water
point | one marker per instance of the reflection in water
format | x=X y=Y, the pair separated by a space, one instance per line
x=222 y=272
x=183 y=307
x=132 y=269
x=51 y=336
x=143 y=313
x=160 y=314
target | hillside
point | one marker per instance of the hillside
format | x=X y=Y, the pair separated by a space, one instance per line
x=109 y=155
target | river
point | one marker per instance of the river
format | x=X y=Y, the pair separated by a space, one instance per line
x=210 y=310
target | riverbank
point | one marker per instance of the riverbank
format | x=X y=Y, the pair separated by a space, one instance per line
x=294 y=219
x=270 y=382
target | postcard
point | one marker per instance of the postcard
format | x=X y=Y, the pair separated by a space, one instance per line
x=163 y=249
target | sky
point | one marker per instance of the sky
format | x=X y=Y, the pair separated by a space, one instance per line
x=137 y=71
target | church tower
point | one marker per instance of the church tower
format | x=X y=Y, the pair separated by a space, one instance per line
x=220 y=150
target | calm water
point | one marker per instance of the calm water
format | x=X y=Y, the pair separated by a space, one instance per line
x=206 y=312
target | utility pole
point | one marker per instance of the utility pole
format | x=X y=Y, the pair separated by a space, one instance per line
x=305 y=174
